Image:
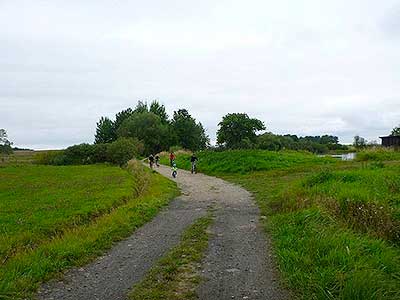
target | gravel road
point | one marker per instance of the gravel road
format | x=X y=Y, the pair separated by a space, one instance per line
x=237 y=264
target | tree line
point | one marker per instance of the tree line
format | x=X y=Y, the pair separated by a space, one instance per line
x=150 y=127
x=134 y=132
x=239 y=131
x=147 y=129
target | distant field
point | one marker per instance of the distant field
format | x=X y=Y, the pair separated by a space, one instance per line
x=56 y=217
x=335 y=225
x=18 y=157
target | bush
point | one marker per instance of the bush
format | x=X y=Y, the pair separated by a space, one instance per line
x=118 y=152
x=79 y=154
x=100 y=153
x=122 y=150
x=6 y=149
x=51 y=157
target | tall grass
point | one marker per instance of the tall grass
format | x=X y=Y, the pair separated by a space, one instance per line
x=368 y=200
x=378 y=154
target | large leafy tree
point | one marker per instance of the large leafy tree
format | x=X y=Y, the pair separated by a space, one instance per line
x=105 y=131
x=238 y=130
x=5 y=144
x=190 y=134
x=396 y=131
x=148 y=128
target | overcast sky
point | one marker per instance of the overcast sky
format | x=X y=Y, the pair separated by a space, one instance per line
x=307 y=67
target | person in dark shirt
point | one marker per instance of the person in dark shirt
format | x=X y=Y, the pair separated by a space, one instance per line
x=193 y=160
x=157 y=160
x=151 y=161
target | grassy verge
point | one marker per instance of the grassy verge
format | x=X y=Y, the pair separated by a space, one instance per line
x=334 y=225
x=111 y=208
x=176 y=275
x=378 y=154
x=247 y=161
x=322 y=255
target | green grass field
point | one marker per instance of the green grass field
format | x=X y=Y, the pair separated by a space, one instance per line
x=57 y=217
x=246 y=161
x=334 y=225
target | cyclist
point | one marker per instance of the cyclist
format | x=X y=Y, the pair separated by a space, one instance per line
x=193 y=160
x=174 y=170
x=157 y=160
x=151 y=161
x=171 y=158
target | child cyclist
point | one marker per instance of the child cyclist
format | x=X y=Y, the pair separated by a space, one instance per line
x=174 y=170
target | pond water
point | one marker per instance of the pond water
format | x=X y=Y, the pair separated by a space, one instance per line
x=345 y=156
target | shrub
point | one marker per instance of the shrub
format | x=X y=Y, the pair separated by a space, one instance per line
x=81 y=154
x=51 y=157
x=6 y=149
x=122 y=150
x=100 y=153
x=118 y=152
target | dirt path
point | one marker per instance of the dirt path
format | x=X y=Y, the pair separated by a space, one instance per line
x=236 y=267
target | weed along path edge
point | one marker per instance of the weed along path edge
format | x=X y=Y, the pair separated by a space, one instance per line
x=236 y=265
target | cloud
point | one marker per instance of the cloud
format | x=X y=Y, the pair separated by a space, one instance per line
x=306 y=67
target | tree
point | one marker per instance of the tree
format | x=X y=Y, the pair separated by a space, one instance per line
x=121 y=117
x=329 y=140
x=105 y=131
x=359 y=142
x=159 y=110
x=396 y=131
x=147 y=128
x=5 y=144
x=141 y=107
x=190 y=134
x=237 y=130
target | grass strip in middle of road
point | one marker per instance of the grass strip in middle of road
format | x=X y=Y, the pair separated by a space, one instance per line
x=176 y=275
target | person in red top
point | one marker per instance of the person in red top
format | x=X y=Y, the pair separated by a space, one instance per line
x=171 y=158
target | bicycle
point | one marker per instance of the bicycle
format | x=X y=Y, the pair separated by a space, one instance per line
x=194 y=168
x=174 y=171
